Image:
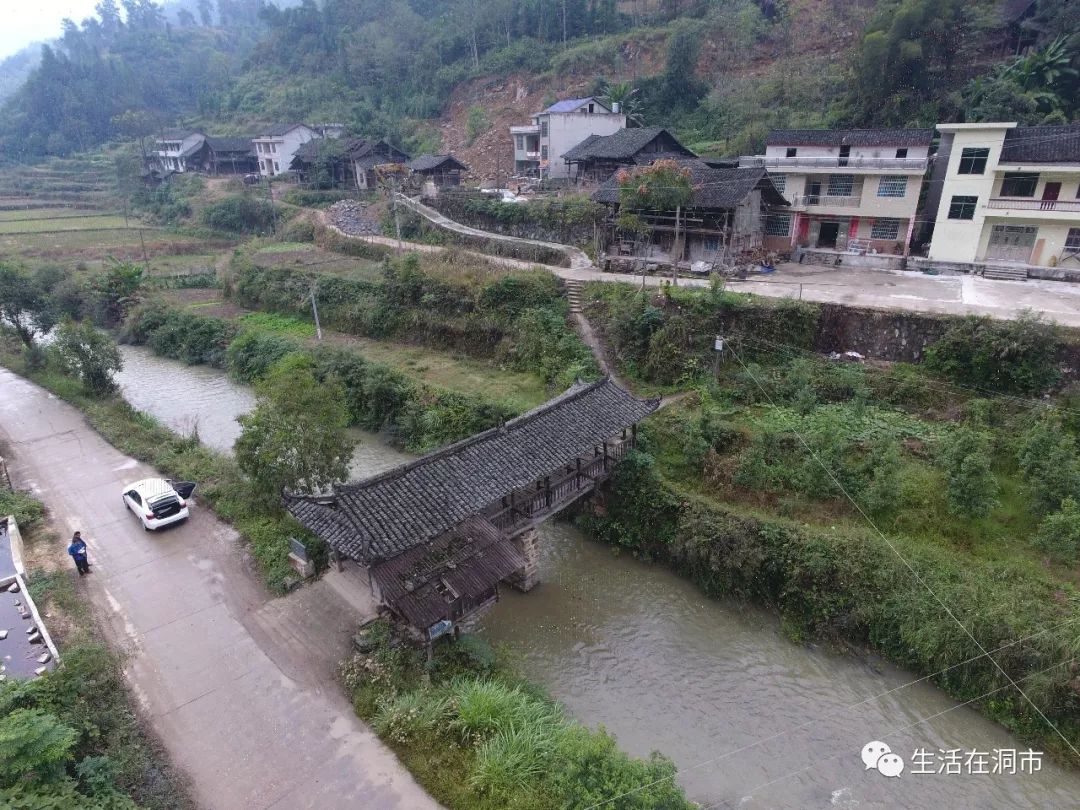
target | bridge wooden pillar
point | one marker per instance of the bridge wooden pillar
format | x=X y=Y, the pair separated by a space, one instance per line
x=528 y=577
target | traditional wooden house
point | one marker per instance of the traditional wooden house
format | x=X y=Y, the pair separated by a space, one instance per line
x=438 y=171
x=364 y=155
x=178 y=150
x=598 y=157
x=323 y=163
x=440 y=533
x=230 y=156
x=724 y=220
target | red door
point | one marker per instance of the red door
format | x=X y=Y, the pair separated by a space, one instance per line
x=1050 y=195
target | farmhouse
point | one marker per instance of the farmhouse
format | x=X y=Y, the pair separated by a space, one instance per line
x=539 y=146
x=275 y=146
x=598 y=157
x=724 y=220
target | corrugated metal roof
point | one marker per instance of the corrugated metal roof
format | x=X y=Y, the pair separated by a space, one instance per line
x=572 y=104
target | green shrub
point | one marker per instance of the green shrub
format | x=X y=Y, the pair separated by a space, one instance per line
x=28 y=511
x=965 y=458
x=253 y=353
x=240 y=214
x=1049 y=464
x=1059 y=533
x=1015 y=357
x=476 y=124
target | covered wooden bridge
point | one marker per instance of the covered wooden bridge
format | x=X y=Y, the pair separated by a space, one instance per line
x=440 y=533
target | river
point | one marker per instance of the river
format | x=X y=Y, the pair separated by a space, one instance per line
x=751 y=719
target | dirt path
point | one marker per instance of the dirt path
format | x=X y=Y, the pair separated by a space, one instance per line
x=240 y=687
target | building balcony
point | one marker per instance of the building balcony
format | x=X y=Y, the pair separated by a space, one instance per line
x=906 y=165
x=805 y=201
x=1029 y=204
x=526 y=129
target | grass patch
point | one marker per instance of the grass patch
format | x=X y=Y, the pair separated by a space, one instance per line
x=479 y=738
x=278 y=324
x=63 y=225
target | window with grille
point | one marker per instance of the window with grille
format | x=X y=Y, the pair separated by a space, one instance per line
x=892 y=186
x=711 y=244
x=885 y=229
x=544 y=128
x=962 y=207
x=779 y=181
x=543 y=153
x=973 y=160
x=1072 y=240
x=840 y=185
x=1019 y=184
x=778 y=225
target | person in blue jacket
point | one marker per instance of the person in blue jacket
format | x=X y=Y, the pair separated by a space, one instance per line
x=77 y=550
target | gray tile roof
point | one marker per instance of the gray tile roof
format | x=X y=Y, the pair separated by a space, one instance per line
x=237 y=144
x=1054 y=144
x=471 y=560
x=425 y=163
x=850 y=137
x=621 y=145
x=713 y=187
x=381 y=517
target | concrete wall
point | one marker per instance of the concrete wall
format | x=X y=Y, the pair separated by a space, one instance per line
x=856 y=151
x=282 y=150
x=567 y=130
x=958 y=240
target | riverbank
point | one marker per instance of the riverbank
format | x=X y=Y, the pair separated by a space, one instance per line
x=221 y=484
x=912 y=510
x=498 y=755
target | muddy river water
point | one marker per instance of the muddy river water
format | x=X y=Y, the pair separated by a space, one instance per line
x=751 y=719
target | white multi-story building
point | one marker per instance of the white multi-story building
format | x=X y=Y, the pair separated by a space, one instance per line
x=178 y=150
x=539 y=146
x=275 y=147
x=1008 y=195
x=848 y=189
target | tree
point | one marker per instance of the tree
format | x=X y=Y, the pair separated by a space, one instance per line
x=660 y=187
x=88 y=354
x=1059 y=533
x=626 y=96
x=25 y=305
x=116 y=290
x=33 y=743
x=1049 y=465
x=970 y=484
x=295 y=438
x=206 y=8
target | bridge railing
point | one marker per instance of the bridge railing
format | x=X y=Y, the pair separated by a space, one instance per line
x=553 y=492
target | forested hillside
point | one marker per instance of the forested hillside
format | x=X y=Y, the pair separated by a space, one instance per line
x=446 y=73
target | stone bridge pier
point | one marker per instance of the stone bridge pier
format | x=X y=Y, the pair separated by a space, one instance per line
x=528 y=576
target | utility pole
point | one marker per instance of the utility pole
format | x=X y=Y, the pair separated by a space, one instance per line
x=676 y=249
x=397 y=219
x=315 y=311
x=273 y=209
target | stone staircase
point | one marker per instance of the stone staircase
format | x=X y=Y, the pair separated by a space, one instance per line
x=573 y=294
x=1005 y=272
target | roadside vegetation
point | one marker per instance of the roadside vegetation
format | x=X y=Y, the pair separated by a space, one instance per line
x=479 y=738
x=772 y=480
x=71 y=739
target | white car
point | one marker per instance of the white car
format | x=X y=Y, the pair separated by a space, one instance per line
x=158 y=502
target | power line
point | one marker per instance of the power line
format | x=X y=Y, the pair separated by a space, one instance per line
x=907 y=564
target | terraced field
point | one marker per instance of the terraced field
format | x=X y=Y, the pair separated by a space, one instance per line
x=68 y=212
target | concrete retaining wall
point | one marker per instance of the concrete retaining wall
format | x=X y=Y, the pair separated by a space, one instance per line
x=836 y=258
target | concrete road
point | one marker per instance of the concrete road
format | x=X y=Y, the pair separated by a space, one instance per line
x=877 y=289
x=240 y=687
